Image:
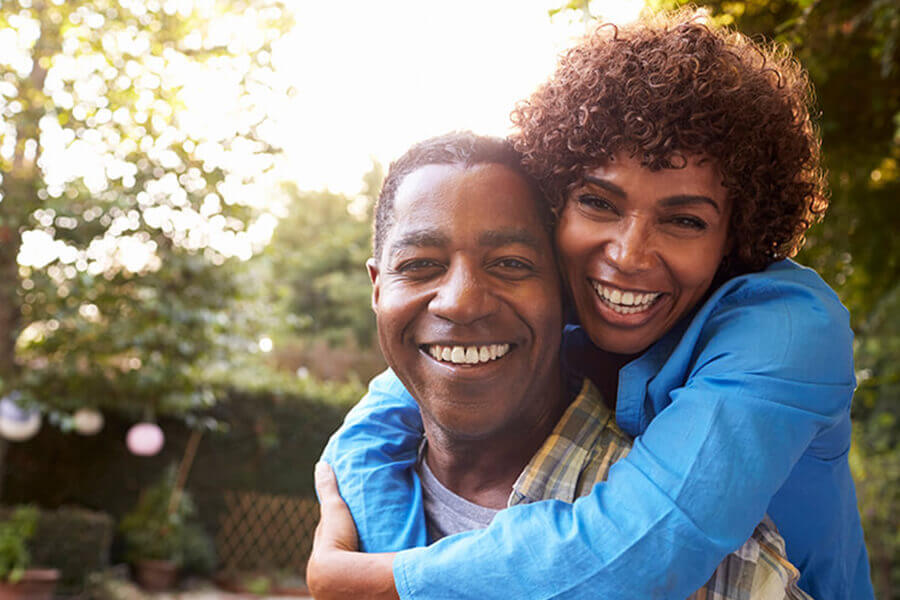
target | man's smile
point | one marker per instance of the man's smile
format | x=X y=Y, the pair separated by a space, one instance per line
x=466 y=354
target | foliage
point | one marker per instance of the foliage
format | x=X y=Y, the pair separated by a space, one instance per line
x=876 y=454
x=317 y=279
x=126 y=208
x=318 y=253
x=154 y=530
x=14 y=535
x=75 y=541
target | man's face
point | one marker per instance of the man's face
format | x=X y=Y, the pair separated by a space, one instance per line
x=467 y=299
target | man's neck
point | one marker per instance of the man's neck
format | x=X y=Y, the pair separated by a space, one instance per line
x=484 y=470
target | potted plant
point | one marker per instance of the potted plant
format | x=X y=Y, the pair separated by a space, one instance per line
x=160 y=537
x=17 y=580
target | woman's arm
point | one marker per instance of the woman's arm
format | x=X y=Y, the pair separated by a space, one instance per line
x=770 y=378
x=335 y=569
x=373 y=455
x=696 y=483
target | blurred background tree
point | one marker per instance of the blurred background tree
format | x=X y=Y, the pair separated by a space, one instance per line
x=125 y=210
x=317 y=275
x=852 y=52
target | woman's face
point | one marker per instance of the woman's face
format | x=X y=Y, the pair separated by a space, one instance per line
x=640 y=248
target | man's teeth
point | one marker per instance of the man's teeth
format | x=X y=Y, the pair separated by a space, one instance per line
x=468 y=355
x=626 y=303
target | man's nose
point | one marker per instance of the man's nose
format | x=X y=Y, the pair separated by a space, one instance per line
x=632 y=248
x=464 y=295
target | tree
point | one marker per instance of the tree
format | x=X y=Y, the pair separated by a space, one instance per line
x=318 y=280
x=124 y=212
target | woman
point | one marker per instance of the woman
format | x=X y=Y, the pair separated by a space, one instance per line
x=683 y=167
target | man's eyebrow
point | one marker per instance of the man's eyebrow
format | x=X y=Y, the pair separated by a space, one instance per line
x=689 y=199
x=669 y=201
x=496 y=238
x=420 y=238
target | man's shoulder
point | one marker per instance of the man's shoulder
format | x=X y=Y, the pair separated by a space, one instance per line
x=585 y=443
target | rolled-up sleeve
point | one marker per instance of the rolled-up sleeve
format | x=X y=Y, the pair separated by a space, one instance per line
x=373 y=455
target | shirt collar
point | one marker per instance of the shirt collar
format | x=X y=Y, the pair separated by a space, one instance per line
x=553 y=471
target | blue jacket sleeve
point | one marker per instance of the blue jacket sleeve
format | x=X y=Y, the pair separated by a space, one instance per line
x=373 y=455
x=769 y=375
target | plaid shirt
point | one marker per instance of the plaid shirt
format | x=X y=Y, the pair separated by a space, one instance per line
x=586 y=442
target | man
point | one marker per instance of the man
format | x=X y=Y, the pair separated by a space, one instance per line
x=467 y=300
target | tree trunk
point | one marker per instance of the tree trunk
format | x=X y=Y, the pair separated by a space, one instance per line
x=882 y=579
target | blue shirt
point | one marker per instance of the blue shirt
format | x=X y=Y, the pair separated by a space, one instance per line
x=742 y=409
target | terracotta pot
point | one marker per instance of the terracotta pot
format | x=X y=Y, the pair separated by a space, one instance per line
x=155 y=575
x=36 y=584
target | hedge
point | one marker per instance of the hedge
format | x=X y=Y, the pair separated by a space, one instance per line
x=276 y=431
x=73 y=540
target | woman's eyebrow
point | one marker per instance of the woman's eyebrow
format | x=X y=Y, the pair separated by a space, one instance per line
x=607 y=185
x=669 y=201
x=689 y=199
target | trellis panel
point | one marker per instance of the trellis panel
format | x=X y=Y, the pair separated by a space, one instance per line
x=261 y=532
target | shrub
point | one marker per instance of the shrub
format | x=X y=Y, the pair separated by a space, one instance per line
x=153 y=531
x=14 y=534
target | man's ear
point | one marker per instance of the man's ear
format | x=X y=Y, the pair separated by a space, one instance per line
x=372 y=268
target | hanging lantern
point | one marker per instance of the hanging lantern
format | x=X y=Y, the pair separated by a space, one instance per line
x=87 y=421
x=18 y=424
x=145 y=439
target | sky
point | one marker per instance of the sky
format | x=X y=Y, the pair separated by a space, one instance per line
x=372 y=78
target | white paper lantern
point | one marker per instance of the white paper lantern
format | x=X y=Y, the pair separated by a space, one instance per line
x=16 y=423
x=87 y=421
x=145 y=439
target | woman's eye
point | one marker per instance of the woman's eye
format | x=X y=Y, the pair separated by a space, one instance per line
x=597 y=203
x=689 y=222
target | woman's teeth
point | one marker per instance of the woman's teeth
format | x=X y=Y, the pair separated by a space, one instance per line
x=468 y=355
x=625 y=303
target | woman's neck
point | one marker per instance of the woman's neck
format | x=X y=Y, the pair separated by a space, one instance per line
x=602 y=368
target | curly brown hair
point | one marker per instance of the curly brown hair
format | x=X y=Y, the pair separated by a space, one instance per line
x=669 y=87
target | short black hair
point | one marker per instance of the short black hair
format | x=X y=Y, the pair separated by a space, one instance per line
x=456 y=148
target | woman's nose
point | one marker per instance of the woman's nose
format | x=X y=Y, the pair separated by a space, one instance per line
x=632 y=248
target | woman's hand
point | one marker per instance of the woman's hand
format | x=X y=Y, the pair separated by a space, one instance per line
x=335 y=569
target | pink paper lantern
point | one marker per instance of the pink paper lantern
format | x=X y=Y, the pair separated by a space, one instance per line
x=145 y=439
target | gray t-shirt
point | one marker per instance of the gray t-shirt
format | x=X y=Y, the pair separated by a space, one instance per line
x=447 y=513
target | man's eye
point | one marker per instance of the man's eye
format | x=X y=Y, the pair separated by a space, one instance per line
x=513 y=267
x=513 y=263
x=418 y=264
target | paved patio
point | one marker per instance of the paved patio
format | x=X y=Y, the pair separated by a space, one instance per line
x=196 y=590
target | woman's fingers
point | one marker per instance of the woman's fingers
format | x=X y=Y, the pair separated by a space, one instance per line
x=336 y=528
